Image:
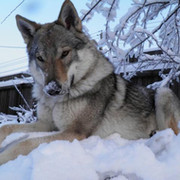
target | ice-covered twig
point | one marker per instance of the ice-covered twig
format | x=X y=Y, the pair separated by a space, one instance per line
x=91 y=9
x=24 y=115
x=12 y=11
x=123 y=40
x=22 y=96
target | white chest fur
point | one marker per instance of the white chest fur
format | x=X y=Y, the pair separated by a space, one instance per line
x=65 y=113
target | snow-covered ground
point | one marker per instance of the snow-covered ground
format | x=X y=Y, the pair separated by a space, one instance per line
x=113 y=158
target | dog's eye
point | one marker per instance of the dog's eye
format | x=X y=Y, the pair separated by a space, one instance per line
x=64 y=54
x=39 y=58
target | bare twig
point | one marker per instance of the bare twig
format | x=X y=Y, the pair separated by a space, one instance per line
x=90 y=10
x=22 y=96
x=12 y=11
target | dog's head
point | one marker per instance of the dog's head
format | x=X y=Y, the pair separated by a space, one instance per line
x=53 y=49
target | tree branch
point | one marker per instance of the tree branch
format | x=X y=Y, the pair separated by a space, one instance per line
x=12 y=11
x=155 y=30
x=90 y=10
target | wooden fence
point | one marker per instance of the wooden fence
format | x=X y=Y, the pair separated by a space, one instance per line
x=150 y=77
x=9 y=96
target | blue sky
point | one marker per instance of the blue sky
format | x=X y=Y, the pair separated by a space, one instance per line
x=41 y=11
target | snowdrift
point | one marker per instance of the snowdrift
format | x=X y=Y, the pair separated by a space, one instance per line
x=157 y=158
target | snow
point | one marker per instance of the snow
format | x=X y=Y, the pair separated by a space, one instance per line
x=115 y=158
x=16 y=81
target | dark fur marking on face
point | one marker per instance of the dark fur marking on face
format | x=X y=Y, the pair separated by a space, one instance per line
x=72 y=80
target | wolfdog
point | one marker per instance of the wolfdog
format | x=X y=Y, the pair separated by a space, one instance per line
x=77 y=92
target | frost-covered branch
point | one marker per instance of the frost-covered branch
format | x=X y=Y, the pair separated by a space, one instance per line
x=133 y=32
x=22 y=96
x=24 y=115
x=129 y=36
x=86 y=13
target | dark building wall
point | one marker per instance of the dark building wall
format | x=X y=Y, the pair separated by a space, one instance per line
x=9 y=96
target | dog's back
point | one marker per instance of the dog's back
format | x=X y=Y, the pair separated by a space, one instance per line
x=136 y=112
x=131 y=112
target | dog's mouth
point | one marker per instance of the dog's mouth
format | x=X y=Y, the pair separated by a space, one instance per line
x=53 y=89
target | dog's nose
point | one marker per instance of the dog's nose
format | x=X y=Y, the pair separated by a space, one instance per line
x=52 y=88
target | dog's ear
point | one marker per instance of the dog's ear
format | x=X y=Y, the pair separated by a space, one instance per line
x=69 y=17
x=26 y=27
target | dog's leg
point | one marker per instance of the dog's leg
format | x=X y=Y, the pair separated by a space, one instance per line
x=25 y=147
x=167 y=110
x=174 y=125
x=31 y=127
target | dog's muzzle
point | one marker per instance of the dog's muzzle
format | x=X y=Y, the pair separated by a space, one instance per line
x=54 y=89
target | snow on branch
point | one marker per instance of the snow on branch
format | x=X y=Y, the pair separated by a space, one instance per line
x=24 y=115
x=147 y=24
